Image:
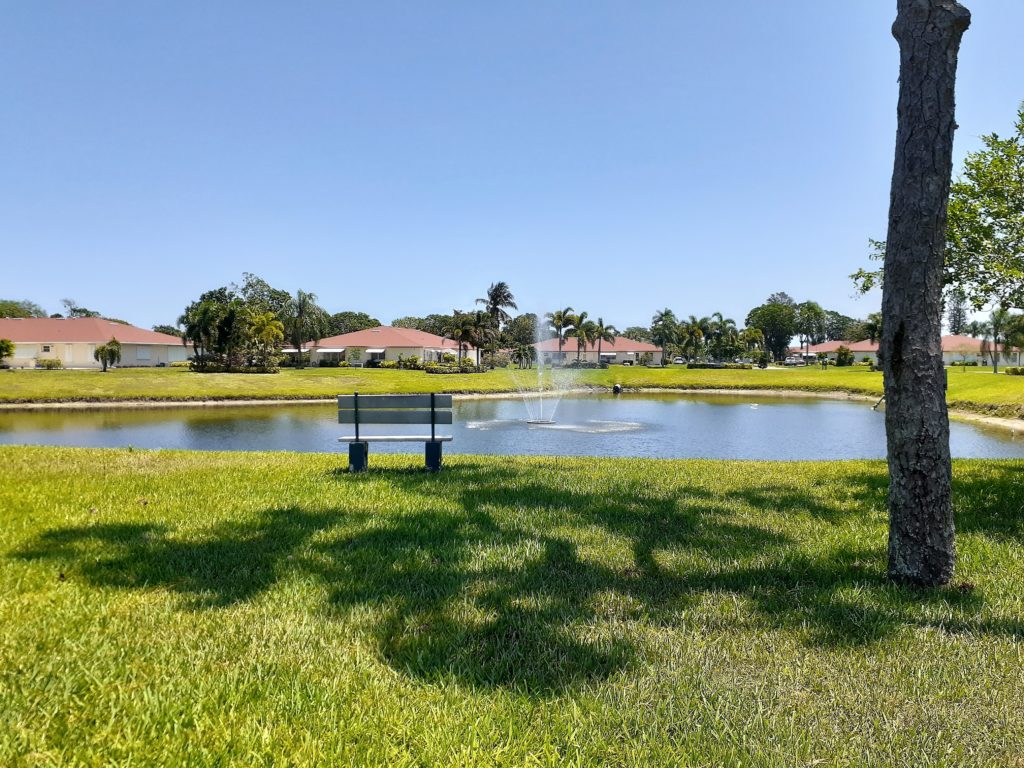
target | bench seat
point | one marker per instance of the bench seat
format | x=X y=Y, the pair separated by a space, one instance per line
x=396 y=439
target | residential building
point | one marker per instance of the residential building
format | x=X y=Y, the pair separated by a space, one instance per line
x=383 y=343
x=622 y=351
x=74 y=340
x=955 y=349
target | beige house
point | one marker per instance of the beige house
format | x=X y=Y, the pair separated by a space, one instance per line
x=622 y=351
x=955 y=349
x=74 y=340
x=373 y=345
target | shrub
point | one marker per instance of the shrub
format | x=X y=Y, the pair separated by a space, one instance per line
x=387 y=364
x=180 y=364
x=762 y=359
x=725 y=366
x=49 y=363
x=411 y=363
x=1015 y=371
x=844 y=356
x=497 y=360
x=329 y=363
x=344 y=364
x=448 y=368
x=865 y=359
x=448 y=358
x=963 y=363
x=6 y=349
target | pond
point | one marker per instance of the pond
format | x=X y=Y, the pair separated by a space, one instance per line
x=666 y=426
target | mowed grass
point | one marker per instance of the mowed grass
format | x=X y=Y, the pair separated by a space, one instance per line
x=234 y=608
x=977 y=390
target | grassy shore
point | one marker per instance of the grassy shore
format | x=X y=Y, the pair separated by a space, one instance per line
x=978 y=391
x=231 y=608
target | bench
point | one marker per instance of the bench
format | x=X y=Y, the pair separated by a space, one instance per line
x=360 y=410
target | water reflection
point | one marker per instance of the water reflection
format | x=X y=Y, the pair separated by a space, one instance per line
x=628 y=425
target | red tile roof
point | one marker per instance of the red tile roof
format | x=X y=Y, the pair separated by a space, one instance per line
x=385 y=336
x=954 y=344
x=91 y=330
x=621 y=344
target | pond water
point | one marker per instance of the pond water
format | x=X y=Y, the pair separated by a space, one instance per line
x=667 y=426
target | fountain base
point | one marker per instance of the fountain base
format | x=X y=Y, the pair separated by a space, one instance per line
x=540 y=421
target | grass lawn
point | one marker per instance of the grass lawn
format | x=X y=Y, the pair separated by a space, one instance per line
x=973 y=390
x=236 y=608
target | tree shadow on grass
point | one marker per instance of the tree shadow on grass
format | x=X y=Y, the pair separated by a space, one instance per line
x=497 y=579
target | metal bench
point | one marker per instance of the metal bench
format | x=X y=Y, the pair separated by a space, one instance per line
x=360 y=410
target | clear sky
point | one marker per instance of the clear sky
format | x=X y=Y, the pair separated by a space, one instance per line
x=397 y=157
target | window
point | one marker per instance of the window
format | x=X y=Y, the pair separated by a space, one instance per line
x=46 y=348
x=142 y=353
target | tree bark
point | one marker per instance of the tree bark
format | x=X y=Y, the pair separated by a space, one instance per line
x=921 y=532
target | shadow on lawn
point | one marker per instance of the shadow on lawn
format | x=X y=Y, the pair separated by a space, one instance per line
x=498 y=591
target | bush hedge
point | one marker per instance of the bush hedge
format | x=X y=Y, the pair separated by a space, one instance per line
x=719 y=366
x=1015 y=371
x=49 y=363
x=963 y=363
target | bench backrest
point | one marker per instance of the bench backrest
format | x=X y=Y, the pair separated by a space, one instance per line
x=359 y=409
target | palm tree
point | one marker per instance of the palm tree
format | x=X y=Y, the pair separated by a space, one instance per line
x=484 y=332
x=200 y=322
x=560 y=320
x=581 y=330
x=460 y=328
x=603 y=333
x=691 y=336
x=524 y=355
x=663 y=330
x=499 y=298
x=304 y=320
x=108 y=354
x=752 y=339
x=267 y=332
x=993 y=334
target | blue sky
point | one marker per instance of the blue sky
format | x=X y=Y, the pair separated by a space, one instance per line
x=397 y=157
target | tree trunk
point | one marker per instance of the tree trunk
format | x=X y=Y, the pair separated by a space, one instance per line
x=921 y=533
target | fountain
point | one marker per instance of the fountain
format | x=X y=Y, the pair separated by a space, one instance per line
x=542 y=395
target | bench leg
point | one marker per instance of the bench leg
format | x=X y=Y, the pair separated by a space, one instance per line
x=358 y=453
x=432 y=451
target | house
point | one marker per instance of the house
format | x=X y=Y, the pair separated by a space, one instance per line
x=955 y=349
x=73 y=341
x=621 y=351
x=372 y=345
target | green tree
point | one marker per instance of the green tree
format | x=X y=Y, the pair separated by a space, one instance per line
x=409 y=321
x=72 y=309
x=838 y=326
x=349 y=322
x=664 y=330
x=582 y=328
x=810 y=324
x=994 y=334
x=484 y=332
x=199 y=323
x=956 y=312
x=304 y=320
x=690 y=336
x=777 y=323
x=522 y=329
x=170 y=330
x=752 y=339
x=637 y=333
x=602 y=333
x=6 y=349
x=499 y=298
x=20 y=308
x=108 y=354
x=267 y=333
x=523 y=355
x=262 y=297
x=461 y=329
x=560 y=321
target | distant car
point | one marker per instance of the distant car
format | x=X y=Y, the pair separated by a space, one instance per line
x=678 y=361
x=795 y=360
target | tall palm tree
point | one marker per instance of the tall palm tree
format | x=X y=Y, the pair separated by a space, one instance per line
x=603 y=333
x=460 y=328
x=484 y=332
x=663 y=330
x=499 y=298
x=560 y=321
x=752 y=339
x=304 y=320
x=200 y=322
x=581 y=329
x=691 y=336
x=524 y=355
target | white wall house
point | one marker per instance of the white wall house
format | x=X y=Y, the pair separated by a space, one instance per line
x=622 y=351
x=955 y=349
x=74 y=340
x=383 y=343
